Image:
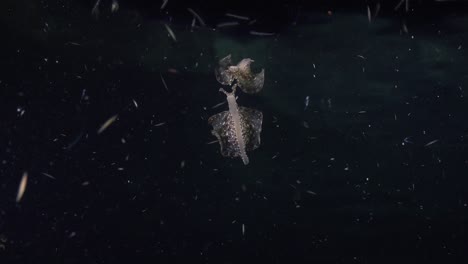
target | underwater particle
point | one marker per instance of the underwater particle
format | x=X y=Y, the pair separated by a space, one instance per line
x=107 y=124
x=95 y=10
x=200 y=20
x=171 y=33
x=48 y=175
x=227 y=24
x=369 y=16
x=218 y=105
x=398 y=5
x=263 y=34
x=432 y=142
x=114 y=6
x=306 y=102
x=22 y=187
x=237 y=130
x=164 y=82
x=164 y=4
x=237 y=16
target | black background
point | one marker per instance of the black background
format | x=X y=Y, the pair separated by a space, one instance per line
x=355 y=184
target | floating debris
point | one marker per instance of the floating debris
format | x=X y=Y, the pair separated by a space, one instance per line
x=48 y=175
x=107 y=124
x=227 y=24
x=369 y=16
x=22 y=187
x=95 y=10
x=114 y=6
x=74 y=44
x=164 y=4
x=362 y=112
x=237 y=16
x=263 y=34
x=218 y=105
x=171 y=33
x=200 y=20
x=399 y=5
x=362 y=57
x=404 y=27
x=432 y=142
x=212 y=142
x=193 y=24
x=407 y=140
x=311 y=192
x=164 y=82
x=377 y=9
x=172 y=70
x=135 y=103
x=243 y=229
x=160 y=124
x=306 y=102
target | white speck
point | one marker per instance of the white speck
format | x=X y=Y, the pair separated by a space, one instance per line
x=164 y=4
x=22 y=187
x=107 y=124
x=114 y=6
x=48 y=175
x=432 y=142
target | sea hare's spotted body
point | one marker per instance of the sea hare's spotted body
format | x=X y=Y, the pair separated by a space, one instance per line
x=238 y=130
x=250 y=83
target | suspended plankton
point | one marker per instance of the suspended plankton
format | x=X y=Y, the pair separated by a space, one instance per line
x=237 y=130
x=249 y=82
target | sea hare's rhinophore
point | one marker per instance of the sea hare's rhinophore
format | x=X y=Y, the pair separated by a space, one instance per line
x=238 y=130
x=250 y=83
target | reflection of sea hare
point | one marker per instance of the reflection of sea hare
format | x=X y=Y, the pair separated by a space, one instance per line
x=238 y=130
x=250 y=83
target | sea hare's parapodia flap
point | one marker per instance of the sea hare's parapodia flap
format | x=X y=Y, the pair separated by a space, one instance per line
x=251 y=127
x=223 y=129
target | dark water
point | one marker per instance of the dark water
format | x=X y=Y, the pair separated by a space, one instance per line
x=374 y=170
